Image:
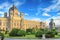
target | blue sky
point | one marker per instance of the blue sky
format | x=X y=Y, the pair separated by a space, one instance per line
x=37 y=10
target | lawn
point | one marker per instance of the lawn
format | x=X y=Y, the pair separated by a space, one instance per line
x=58 y=35
x=27 y=36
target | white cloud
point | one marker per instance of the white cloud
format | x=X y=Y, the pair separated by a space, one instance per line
x=54 y=1
x=37 y=14
x=45 y=14
x=17 y=2
x=56 y=20
x=54 y=7
x=1 y=14
x=38 y=11
x=58 y=13
x=26 y=14
x=6 y=5
x=36 y=19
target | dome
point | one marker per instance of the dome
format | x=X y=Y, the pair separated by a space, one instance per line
x=12 y=8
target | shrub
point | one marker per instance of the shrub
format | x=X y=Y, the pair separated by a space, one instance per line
x=29 y=31
x=21 y=33
x=33 y=31
x=13 y=32
x=39 y=33
x=17 y=32
x=51 y=34
x=54 y=31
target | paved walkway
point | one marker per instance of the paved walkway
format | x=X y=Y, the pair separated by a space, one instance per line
x=29 y=39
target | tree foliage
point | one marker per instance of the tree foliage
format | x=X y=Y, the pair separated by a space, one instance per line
x=17 y=32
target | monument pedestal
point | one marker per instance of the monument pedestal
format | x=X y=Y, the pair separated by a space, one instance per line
x=0 y=37
x=43 y=36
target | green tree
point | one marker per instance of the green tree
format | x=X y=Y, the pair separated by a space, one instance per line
x=29 y=31
x=21 y=33
x=14 y=32
x=50 y=34
x=17 y=32
x=39 y=33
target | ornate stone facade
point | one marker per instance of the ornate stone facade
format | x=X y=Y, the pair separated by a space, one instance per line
x=15 y=21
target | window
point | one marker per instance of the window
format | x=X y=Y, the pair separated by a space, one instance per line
x=4 y=23
x=17 y=24
x=0 y=23
x=14 y=24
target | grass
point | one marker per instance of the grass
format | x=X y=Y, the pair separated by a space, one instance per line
x=27 y=36
x=57 y=36
x=30 y=36
x=6 y=35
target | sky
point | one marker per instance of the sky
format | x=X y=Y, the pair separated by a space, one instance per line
x=36 y=10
